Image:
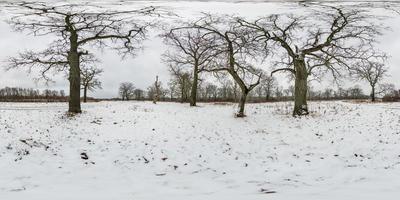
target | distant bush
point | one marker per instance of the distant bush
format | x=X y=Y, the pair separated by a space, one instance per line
x=393 y=96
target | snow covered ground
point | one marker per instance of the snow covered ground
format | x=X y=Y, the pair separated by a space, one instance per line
x=169 y=151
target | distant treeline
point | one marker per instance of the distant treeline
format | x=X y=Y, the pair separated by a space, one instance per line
x=206 y=93
x=228 y=92
x=17 y=94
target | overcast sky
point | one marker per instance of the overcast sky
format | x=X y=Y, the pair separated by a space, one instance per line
x=142 y=69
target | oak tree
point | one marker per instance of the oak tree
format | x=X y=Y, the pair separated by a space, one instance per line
x=89 y=80
x=325 y=41
x=75 y=29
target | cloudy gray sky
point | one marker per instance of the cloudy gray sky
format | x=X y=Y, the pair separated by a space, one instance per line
x=142 y=69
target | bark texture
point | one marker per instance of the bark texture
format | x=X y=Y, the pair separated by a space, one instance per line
x=193 y=93
x=85 y=94
x=300 y=92
x=373 y=93
x=242 y=103
x=74 y=76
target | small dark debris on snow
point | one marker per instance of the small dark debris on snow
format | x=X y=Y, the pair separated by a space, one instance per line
x=9 y=147
x=266 y=191
x=84 y=156
x=18 y=189
x=145 y=160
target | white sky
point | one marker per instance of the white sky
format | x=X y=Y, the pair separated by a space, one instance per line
x=142 y=69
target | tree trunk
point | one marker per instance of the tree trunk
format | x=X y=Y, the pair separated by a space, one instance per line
x=155 y=97
x=245 y=92
x=193 y=93
x=300 y=92
x=85 y=94
x=267 y=94
x=235 y=92
x=183 y=92
x=242 y=103
x=74 y=76
x=373 y=93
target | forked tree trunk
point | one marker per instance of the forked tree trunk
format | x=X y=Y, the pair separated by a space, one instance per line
x=300 y=92
x=193 y=93
x=74 y=76
x=85 y=94
x=245 y=91
x=242 y=103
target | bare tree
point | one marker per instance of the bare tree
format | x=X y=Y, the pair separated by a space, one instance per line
x=126 y=90
x=172 y=87
x=235 y=47
x=156 y=92
x=356 y=92
x=386 y=89
x=267 y=84
x=325 y=41
x=278 y=93
x=139 y=94
x=371 y=71
x=226 y=87
x=182 y=80
x=76 y=27
x=157 y=88
x=89 y=80
x=211 y=92
x=193 y=48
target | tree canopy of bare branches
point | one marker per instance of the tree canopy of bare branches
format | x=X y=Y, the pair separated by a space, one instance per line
x=126 y=89
x=180 y=82
x=267 y=85
x=89 y=80
x=235 y=46
x=372 y=71
x=327 y=40
x=193 y=48
x=76 y=28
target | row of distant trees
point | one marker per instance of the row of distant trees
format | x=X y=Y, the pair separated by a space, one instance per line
x=228 y=91
x=89 y=82
x=29 y=94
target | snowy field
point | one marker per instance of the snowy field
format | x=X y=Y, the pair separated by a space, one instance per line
x=168 y=151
